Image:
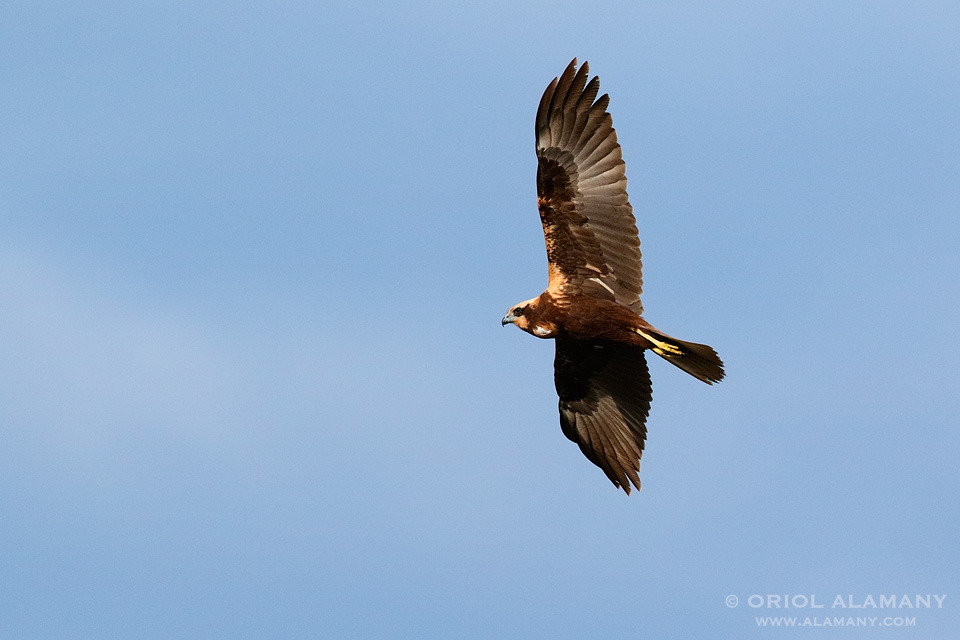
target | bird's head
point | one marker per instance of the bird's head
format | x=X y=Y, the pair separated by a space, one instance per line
x=524 y=315
x=518 y=314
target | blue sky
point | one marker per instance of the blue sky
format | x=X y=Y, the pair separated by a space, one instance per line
x=253 y=258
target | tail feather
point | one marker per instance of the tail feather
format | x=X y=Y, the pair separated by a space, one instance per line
x=699 y=360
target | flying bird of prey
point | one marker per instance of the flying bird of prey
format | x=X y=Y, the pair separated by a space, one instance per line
x=592 y=303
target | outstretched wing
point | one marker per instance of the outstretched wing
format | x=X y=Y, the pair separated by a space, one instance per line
x=605 y=393
x=588 y=223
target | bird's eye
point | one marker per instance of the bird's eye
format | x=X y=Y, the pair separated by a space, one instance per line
x=518 y=311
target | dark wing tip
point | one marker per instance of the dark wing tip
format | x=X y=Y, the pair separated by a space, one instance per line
x=626 y=487
x=558 y=89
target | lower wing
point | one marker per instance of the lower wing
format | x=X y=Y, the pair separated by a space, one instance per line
x=605 y=393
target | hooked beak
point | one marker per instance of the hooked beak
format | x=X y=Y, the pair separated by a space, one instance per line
x=508 y=319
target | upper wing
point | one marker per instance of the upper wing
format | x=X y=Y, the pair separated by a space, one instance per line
x=605 y=392
x=592 y=243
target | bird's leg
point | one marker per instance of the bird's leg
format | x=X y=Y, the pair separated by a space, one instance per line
x=664 y=349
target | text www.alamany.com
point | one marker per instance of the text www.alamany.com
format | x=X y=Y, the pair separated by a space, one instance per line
x=837 y=621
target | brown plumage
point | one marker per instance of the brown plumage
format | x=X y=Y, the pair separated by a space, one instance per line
x=592 y=302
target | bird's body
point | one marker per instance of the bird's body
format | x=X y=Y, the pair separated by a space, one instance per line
x=583 y=318
x=592 y=303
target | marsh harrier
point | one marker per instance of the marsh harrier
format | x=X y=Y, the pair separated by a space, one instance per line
x=592 y=303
